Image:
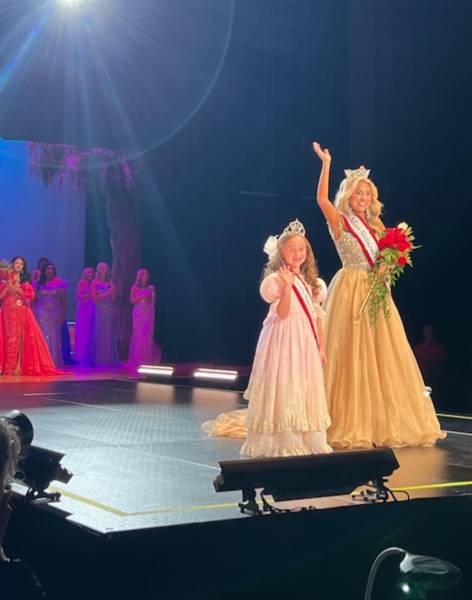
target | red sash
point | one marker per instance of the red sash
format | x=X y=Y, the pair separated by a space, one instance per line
x=365 y=237
x=304 y=297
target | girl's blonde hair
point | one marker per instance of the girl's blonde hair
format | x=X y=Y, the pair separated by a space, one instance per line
x=347 y=188
x=309 y=269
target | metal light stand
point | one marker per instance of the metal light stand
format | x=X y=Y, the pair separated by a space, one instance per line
x=377 y=492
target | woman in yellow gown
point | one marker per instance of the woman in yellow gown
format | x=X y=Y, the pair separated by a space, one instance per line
x=376 y=394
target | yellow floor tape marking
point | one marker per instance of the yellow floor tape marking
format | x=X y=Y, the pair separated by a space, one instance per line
x=431 y=486
x=467 y=418
x=120 y=513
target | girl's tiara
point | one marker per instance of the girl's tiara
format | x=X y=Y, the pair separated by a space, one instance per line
x=294 y=227
x=272 y=242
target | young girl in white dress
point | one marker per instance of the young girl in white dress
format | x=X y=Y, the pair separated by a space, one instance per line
x=287 y=413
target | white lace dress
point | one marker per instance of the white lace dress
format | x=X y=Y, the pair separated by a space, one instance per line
x=287 y=413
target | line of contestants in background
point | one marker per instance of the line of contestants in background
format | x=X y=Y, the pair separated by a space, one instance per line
x=326 y=377
x=34 y=335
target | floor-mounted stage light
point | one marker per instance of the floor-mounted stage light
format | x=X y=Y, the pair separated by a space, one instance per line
x=298 y=477
x=38 y=467
x=418 y=573
x=222 y=375
x=156 y=372
x=38 y=470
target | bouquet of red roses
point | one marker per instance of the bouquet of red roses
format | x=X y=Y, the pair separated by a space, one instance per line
x=395 y=247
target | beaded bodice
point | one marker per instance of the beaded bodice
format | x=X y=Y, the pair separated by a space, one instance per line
x=350 y=252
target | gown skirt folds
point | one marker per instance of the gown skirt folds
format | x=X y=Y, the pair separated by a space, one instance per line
x=375 y=390
x=287 y=413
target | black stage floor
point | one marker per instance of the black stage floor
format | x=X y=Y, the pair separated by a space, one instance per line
x=139 y=459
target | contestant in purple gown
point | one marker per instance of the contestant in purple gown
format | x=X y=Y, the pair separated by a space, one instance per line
x=104 y=347
x=84 y=319
x=143 y=299
x=50 y=309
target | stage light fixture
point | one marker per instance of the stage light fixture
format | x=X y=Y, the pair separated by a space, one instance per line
x=418 y=572
x=38 y=470
x=156 y=370
x=37 y=466
x=216 y=374
x=311 y=476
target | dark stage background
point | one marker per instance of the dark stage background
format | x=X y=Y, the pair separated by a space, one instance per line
x=226 y=106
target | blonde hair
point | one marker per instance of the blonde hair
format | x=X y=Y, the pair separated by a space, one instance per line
x=139 y=273
x=347 y=188
x=308 y=269
x=97 y=271
x=83 y=278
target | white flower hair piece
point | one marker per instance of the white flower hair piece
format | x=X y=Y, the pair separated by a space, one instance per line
x=360 y=173
x=272 y=242
x=271 y=245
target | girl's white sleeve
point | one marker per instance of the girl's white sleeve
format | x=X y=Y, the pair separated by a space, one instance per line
x=271 y=288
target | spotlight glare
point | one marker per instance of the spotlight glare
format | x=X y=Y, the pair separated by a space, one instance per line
x=71 y=3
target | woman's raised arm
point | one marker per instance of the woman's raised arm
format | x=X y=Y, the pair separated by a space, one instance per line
x=322 y=194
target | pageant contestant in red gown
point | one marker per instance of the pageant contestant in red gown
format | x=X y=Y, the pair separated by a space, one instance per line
x=1 y=335
x=23 y=348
